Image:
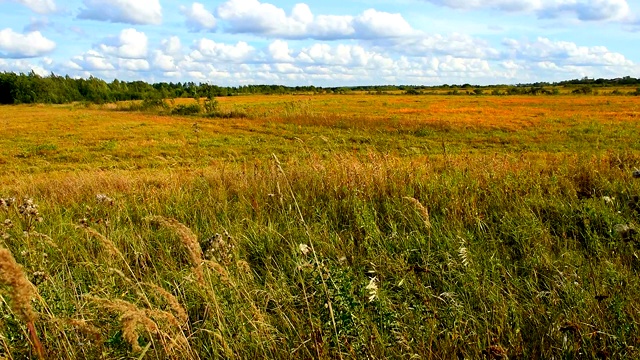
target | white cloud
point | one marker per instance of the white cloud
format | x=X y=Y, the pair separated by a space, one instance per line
x=38 y=6
x=376 y=24
x=16 y=45
x=169 y=53
x=198 y=18
x=584 y=10
x=343 y=55
x=458 y=45
x=569 y=53
x=409 y=59
x=597 y=10
x=164 y=62
x=22 y=66
x=138 y=12
x=133 y=64
x=252 y=16
x=208 y=50
x=331 y=27
x=279 y=51
x=172 y=46
x=91 y=61
x=130 y=44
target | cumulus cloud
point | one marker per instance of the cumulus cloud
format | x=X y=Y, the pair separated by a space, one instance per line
x=584 y=10
x=169 y=53
x=137 y=12
x=280 y=52
x=207 y=50
x=133 y=64
x=16 y=45
x=130 y=44
x=171 y=46
x=252 y=16
x=569 y=53
x=90 y=61
x=198 y=18
x=598 y=10
x=23 y=66
x=377 y=24
x=432 y=59
x=38 y=6
x=344 y=55
x=164 y=62
x=458 y=45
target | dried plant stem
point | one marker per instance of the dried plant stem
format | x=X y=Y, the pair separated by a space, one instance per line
x=315 y=256
x=104 y=241
x=12 y=275
x=189 y=240
x=424 y=212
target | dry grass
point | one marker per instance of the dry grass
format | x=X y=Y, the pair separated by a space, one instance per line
x=514 y=248
x=22 y=292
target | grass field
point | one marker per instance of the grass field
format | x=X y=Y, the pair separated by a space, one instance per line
x=323 y=226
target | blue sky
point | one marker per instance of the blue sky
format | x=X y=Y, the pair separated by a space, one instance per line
x=327 y=43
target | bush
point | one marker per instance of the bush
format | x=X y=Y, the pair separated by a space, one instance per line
x=192 y=109
x=153 y=104
x=211 y=105
x=584 y=90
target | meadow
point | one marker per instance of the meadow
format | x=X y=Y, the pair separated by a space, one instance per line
x=323 y=226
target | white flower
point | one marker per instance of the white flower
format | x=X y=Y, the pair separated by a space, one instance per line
x=304 y=249
x=102 y=198
x=372 y=289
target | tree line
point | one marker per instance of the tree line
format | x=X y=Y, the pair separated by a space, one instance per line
x=54 y=89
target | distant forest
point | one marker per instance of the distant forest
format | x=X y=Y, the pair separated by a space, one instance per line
x=53 y=89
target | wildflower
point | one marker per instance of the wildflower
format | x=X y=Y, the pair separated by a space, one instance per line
x=626 y=231
x=104 y=199
x=5 y=203
x=372 y=289
x=304 y=249
x=608 y=199
x=218 y=248
x=29 y=208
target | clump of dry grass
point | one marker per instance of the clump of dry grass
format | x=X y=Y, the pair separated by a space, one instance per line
x=173 y=302
x=136 y=320
x=424 y=212
x=189 y=240
x=104 y=241
x=85 y=327
x=22 y=291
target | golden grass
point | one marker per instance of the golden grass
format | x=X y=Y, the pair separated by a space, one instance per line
x=520 y=179
x=22 y=291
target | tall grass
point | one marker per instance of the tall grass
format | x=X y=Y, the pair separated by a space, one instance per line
x=332 y=248
x=517 y=257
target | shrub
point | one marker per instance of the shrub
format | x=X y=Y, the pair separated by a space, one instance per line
x=191 y=109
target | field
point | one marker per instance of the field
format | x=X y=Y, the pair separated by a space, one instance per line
x=323 y=226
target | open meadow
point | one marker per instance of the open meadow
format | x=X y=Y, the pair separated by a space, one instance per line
x=323 y=226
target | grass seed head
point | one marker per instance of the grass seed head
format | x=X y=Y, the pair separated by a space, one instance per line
x=424 y=212
x=372 y=289
x=105 y=242
x=12 y=274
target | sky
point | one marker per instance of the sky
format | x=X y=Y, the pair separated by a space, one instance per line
x=323 y=43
